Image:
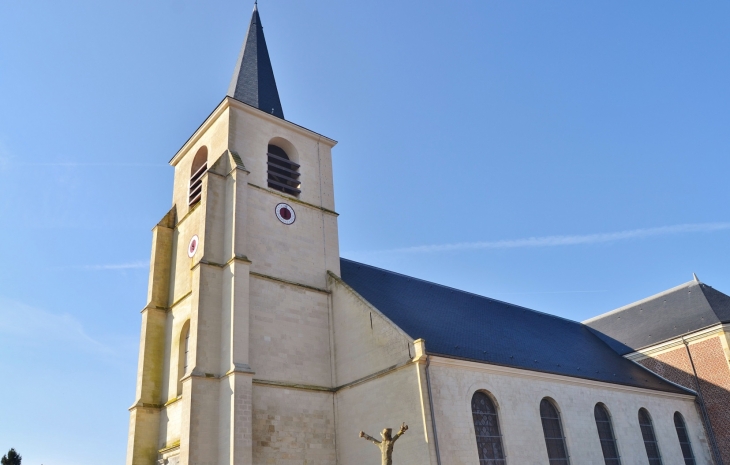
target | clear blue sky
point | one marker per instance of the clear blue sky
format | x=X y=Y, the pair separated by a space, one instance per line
x=571 y=157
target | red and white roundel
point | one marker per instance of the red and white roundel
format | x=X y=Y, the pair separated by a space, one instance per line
x=193 y=246
x=285 y=213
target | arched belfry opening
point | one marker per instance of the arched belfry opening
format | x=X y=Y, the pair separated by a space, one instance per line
x=183 y=359
x=197 y=170
x=283 y=173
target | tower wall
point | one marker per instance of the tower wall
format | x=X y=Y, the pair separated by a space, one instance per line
x=254 y=296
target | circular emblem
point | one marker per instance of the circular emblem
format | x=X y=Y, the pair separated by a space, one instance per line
x=285 y=213
x=193 y=246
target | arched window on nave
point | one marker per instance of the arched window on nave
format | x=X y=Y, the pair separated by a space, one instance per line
x=553 y=430
x=683 y=436
x=606 y=436
x=486 y=428
x=650 y=442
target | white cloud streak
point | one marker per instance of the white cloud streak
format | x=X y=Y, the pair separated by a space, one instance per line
x=555 y=292
x=118 y=266
x=38 y=327
x=4 y=156
x=556 y=241
x=75 y=164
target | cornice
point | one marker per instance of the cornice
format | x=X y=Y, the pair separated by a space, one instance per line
x=167 y=309
x=174 y=446
x=180 y=299
x=207 y=123
x=370 y=306
x=647 y=352
x=190 y=212
x=235 y=258
x=280 y=122
x=294 y=199
x=229 y=102
x=285 y=281
x=527 y=374
x=310 y=387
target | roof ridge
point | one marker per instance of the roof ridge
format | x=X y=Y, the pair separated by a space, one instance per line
x=466 y=292
x=707 y=288
x=641 y=301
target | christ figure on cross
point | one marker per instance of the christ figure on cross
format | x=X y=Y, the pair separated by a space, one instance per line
x=386 y=445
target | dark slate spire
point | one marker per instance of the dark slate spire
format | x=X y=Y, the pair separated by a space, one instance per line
x=253 y=79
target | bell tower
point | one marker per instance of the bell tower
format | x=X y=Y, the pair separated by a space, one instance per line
x=235 y=362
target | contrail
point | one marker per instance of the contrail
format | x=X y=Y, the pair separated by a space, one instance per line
x=118 y=266
x=554 y=241
x=159 y=165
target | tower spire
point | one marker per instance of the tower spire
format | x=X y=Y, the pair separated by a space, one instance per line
x=253 y=79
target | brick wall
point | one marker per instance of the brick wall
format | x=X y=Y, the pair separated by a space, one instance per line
x=712 y=369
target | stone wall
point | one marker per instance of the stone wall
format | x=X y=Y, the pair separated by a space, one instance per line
x=365 y=341
x=517 y=395
x=292 y=426
x=290 y=336
x=383 y=402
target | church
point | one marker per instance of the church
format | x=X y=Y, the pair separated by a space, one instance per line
x=261 y=345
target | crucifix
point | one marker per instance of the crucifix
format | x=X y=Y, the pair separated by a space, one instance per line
x=386 y=445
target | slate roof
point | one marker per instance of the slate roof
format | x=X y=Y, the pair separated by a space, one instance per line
x=462 y=325
x=253 y=78
x=678 y=311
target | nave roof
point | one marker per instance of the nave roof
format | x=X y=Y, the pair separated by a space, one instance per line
x=467 y=326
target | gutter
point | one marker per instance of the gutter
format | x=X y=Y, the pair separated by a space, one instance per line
x=433 y=416
x=705 y=416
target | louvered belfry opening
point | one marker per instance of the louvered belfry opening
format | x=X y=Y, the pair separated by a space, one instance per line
x=283 y=174
x=197 y=170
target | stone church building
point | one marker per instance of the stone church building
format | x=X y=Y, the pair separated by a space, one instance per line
x=260 y=345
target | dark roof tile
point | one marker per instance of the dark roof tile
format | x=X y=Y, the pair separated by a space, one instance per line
x=462 y=325
x=253 y=79
x=678 y=311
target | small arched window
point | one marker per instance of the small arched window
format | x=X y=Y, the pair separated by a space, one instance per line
x=650 y=442
x=605 y=434
x=283 y=174
x=486 y=427
x=183 y=355
x=197 y=170
x=553 y=430
x=689 y=457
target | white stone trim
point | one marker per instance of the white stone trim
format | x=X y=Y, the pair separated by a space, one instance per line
x=229 y=102
x=528 y=374
x=290 y=198
x=672 y=344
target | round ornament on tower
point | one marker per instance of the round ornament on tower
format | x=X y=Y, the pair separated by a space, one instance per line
x=193 y=246
x=285 y=213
